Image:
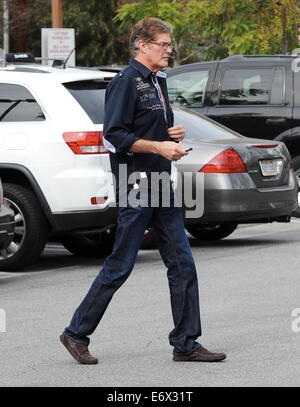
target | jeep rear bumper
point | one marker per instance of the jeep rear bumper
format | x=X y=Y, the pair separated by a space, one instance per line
x=85 y=221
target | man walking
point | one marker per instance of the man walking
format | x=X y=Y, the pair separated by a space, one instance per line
x=140 y=135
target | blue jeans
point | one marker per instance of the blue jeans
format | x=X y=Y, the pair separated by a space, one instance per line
x=176 y=254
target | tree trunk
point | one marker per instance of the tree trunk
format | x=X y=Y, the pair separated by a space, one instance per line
x=284 y=46
x=176 y=53
x=18 y=10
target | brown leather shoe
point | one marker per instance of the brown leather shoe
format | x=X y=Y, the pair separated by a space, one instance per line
x=78 y=350
x=200 y=355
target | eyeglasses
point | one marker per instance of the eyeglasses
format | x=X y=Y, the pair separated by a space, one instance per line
x=164 y=45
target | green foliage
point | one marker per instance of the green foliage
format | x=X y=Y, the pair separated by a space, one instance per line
x=186 y=37
x=213 y=29
x=95 y=32
x=203 y=30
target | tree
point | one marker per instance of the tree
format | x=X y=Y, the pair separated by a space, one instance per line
x=25 y=19
x=98 y=41
x=186 y=36
x=96 y=36
x=213 y=29
x=284 y=15
x=18 y=23
x=203 y=29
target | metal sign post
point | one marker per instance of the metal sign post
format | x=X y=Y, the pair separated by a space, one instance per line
x=5 y=26
x=2 y=58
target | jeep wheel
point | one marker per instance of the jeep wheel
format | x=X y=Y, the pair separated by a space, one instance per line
x=31 y=230
x=211 y=231
x=94 y=245
x=296 y=167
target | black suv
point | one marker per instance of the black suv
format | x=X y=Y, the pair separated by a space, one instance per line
x=7 y=224
x=256 y=95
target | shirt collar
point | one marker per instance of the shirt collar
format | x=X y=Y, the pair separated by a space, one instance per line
x=144 y=71
x=161 y=74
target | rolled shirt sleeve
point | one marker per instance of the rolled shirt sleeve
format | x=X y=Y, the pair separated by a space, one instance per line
x=120 y=103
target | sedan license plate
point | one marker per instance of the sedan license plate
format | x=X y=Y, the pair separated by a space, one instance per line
x=271 y=168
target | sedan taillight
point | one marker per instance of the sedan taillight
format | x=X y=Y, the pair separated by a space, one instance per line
x=226 y=162
x=85 y=142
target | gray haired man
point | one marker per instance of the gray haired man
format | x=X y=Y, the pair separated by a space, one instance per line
x=140 y=134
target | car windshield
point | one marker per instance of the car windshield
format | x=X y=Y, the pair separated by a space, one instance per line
x=90 y=95
x=199 y=127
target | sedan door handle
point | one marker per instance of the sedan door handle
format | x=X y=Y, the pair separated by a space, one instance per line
x=276 y=121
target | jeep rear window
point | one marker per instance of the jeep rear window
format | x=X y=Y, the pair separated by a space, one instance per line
x=18 y=105
x=90 y=95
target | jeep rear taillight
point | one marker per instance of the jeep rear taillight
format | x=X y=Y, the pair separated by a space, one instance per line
x=226 y=162
x=85 y=142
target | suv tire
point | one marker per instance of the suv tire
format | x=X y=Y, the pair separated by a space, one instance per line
x=211 y=231
x=31 y=228
x=93 y=245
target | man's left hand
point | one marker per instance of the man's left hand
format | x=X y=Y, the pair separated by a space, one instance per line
x=176 y=133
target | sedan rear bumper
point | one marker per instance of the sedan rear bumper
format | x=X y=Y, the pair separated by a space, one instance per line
x=246 y=205
x=243 y=206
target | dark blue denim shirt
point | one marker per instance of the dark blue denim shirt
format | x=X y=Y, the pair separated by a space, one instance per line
x=133 y=111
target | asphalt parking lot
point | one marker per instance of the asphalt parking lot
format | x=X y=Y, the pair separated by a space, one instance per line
x=249 y=287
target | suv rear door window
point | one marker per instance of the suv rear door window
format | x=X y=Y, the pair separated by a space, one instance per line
x=188 y=88
x=18 y=105
x=90 y=95
x=248 y=86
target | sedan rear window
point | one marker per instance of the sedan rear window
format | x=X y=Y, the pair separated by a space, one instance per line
x=199 y=127
x=90 y=95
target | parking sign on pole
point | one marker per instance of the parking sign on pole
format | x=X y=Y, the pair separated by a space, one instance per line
x=58 y=43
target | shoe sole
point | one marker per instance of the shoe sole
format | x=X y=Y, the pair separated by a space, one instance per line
x=187 y=359
x=64 y=341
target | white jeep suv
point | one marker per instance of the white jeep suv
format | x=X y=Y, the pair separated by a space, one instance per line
x=53 y=165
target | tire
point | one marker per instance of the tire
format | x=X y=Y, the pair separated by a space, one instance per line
x=31 y=228
x=149 y=239
x=296 y=167
x=211 y=231
x=95 y=245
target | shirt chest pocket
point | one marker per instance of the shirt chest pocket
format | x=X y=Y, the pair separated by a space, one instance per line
x=147 y=99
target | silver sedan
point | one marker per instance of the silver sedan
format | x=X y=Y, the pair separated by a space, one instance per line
x=230 y=179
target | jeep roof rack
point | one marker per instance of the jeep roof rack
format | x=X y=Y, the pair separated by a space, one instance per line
x=27 y=57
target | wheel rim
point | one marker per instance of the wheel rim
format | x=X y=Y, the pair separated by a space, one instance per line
x=297 y=174
x=19 y=233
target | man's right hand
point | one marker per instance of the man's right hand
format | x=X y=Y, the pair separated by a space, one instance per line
x=170 y=150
